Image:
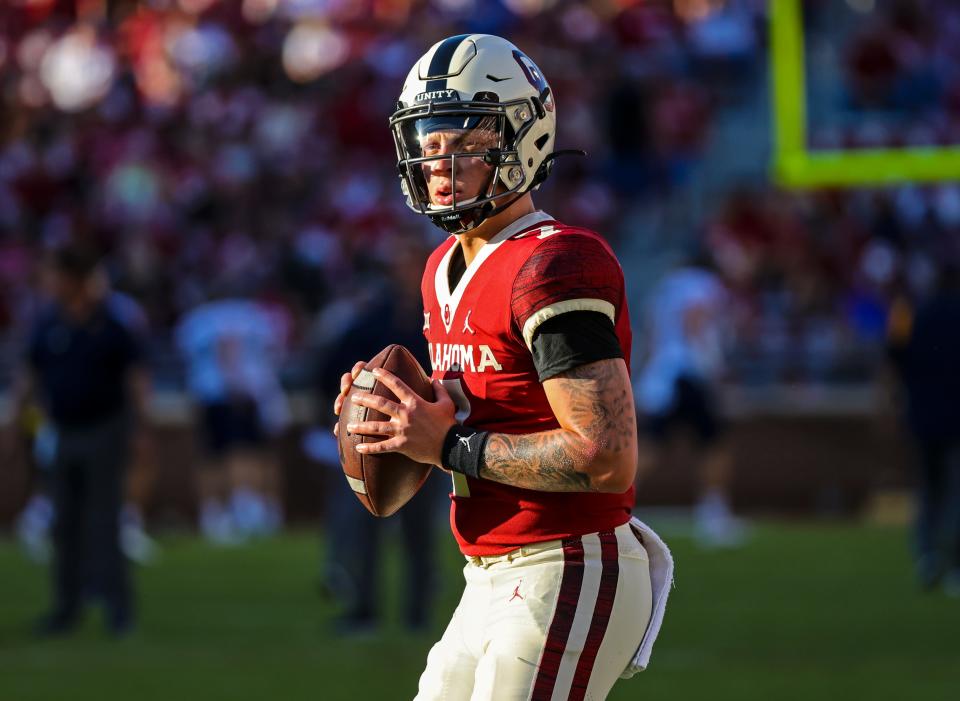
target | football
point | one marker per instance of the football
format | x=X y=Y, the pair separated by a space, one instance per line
x=383 y=483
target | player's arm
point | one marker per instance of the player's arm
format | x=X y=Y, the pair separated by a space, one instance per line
x=595 y=448
x=564 y=301
x=582 y=370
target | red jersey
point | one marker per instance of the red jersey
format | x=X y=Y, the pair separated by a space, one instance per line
x=480 y=336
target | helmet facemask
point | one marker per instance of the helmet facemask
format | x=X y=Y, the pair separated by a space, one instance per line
x=456 y=160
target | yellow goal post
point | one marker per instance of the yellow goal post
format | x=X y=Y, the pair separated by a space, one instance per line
x=795 y=165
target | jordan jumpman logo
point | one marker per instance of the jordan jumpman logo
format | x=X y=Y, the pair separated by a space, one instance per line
x=516 y=592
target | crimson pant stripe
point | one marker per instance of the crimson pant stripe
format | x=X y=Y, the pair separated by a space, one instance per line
x=606 y=595
x=562 y=621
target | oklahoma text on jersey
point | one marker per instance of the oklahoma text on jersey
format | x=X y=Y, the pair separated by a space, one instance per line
x=458 y=357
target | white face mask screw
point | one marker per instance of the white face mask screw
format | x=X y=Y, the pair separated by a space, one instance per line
x=521 y=114
x=515 y=175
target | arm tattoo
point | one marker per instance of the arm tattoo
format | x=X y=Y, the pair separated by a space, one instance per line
x=598 y=418
x=544 y=461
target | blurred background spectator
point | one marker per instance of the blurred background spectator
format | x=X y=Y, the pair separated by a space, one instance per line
x=925 y=350
x=84 y=366
x=233 y=347
x=677 y=391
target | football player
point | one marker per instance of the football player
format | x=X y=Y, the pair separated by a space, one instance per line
x=529 y=337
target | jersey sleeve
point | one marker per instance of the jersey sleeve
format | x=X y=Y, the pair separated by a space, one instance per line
x=571 y=340
x=566 y=273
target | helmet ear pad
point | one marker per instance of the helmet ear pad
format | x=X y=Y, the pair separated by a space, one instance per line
x=532 y=136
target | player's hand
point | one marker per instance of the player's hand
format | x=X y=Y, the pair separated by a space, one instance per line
x=416 y=427
x=346 y=382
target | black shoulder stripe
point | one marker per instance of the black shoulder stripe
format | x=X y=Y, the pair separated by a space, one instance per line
x=440 y=63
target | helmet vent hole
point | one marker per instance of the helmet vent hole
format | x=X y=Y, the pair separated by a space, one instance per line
x=542 y=141
x=529 y=163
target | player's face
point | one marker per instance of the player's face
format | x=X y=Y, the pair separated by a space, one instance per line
x=472 y=176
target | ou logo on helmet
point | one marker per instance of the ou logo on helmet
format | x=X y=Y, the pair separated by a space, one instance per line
x=530 y=70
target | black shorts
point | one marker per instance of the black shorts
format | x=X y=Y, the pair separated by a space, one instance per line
x=231 y=424
x=693 y=407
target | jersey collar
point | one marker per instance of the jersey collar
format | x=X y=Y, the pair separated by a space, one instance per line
x=451 y=299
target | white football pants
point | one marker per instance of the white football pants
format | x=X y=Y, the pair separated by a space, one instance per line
x=550 y=621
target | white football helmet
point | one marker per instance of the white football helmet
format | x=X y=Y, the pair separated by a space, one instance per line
x=486 y=90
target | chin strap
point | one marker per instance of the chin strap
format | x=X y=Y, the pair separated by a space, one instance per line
x=472 y=218
x=489 y=210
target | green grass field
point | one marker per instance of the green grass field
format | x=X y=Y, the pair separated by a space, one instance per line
x=803 y=612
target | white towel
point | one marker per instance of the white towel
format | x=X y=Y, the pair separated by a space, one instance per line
x=661 y=581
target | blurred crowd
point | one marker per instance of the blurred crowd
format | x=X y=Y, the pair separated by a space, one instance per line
x=816 y=276
x=822 y=280
x=901 y=61
x=239 y=148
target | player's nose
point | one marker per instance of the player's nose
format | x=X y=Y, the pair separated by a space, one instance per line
x=441 y=165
